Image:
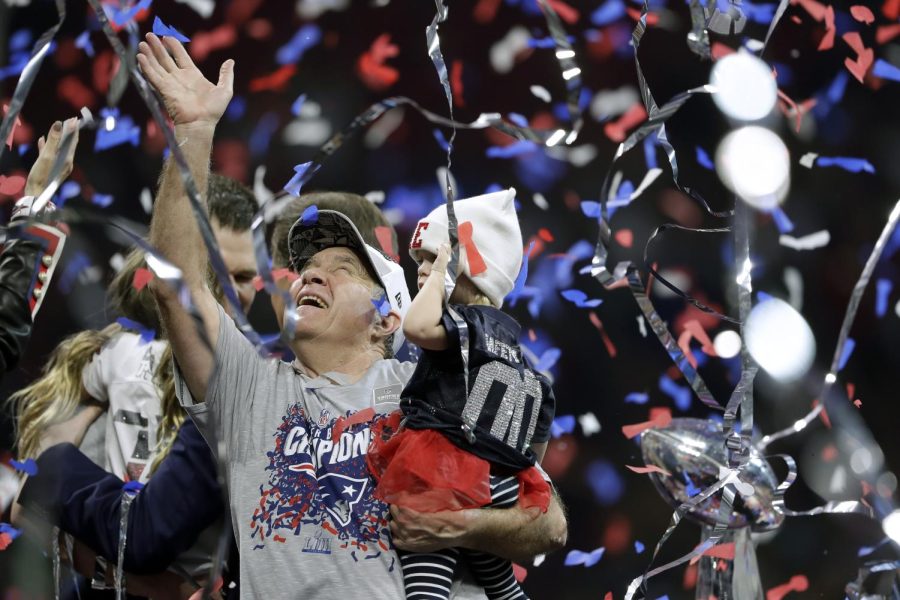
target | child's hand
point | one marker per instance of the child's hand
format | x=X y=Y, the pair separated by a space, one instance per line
x=443 y=257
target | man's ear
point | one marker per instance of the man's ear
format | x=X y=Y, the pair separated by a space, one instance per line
x=390 y=323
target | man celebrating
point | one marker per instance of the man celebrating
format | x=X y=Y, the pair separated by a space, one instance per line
x=296 y=434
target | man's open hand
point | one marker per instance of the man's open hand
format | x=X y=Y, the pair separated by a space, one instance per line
x=190 y=98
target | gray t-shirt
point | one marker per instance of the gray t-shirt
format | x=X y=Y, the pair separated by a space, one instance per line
x=301 y=502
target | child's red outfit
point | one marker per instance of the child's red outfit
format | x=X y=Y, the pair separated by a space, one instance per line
x=431 y=465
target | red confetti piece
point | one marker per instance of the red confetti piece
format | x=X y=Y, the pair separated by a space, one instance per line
x=815 y=9
x=624 y=237
x=648 y=469
x=104 y=66
x=659 y=417
x=485 y=11
x=142 y=277
x=73 y=91
x=864 y=59
x=797 y=583
x=259 y=29
x=204 y=42
x=12 y=185
x=456 y=83
x=829 y=453
x=693 y=330
x=854 y=40
x=343 y=423
x=284 y=273
x=652 y=17
x=617 y=535
x=386 y=241
x=371 y=68
x=891 y=9
x=567 y=13
x=534 y=247
x=608 y=596
x=241 y=10
x=18 y=123
x=520 y=572
x=5 y=541
x=690 y=577
x=719 y=50
x=258 y=283
x=792 y=109
x=863 y=14
x=857 y=403
x=545 y=234
x=273 y=81
x=725 y=551
x=886 y=33
x=476 y=262
x=610 y=347
x=615 y=130
x=823 y=415
x=827 y=41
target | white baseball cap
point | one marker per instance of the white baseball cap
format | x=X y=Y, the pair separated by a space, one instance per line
x=495 y=234
x=333 y=229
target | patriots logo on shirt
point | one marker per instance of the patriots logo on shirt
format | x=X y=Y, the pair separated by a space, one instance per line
x=339 y=494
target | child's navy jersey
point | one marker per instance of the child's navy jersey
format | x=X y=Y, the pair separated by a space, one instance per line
x=511 y=405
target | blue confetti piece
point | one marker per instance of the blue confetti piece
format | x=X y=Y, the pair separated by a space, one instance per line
x=886 y=70
x=517 y=148
x=132 y=487
x=382 y=305
x=605 y=481
x=236 y=108
x=638 y=546
x=310 y=216
x=562 y=424
x=637 y=398
x=262 y=134
x=11 y=531
x=758 y=13
x=298 y=105
x=161 y=29
x=782 y=221
x=650 y=152
x=835 y=92
x=845 y=354
x=762 y=296
x=854 y=165
x=690 y=489
x=69 y=190
x=20 y=40
x=124 y=130
x=590 y=209
x=518 y=119
x=883 y=289
x=588 y=559
x=83 y=41
x=681 y=396
x=546 y=42
x=609 y=11
x=441 y=140
x=626 y=189
x=548 y=359
x=76 y=265
x=579 y=298
x=703 y=159
x=306 y=37
x=122 y=17
x=23 y=148
x=27 y=466
x=297 y=182
x=102 y=200
x=516 y=292
x=147 y=334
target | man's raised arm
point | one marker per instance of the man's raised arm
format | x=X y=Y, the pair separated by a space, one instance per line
x=195 y=105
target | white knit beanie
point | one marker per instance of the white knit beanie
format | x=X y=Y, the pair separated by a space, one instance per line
x=495 y=234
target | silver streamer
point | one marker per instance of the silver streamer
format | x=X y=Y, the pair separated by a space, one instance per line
x=26 y=79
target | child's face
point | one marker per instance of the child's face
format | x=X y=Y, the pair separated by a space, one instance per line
x=465 y=291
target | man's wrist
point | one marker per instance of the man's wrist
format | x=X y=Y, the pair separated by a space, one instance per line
x=195 y=128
